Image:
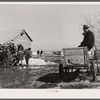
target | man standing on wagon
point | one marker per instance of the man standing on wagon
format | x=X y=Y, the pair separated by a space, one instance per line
x=88 y=40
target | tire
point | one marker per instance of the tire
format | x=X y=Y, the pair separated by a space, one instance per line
x=93 y=71
x=61 y=71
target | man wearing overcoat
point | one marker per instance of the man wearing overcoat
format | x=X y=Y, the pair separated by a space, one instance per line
x=88 y=40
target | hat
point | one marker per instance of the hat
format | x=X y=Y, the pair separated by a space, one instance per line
x=85 y=27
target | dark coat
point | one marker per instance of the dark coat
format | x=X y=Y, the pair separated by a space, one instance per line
x=88 y=40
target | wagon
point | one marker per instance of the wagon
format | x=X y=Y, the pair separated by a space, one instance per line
x=77 y=60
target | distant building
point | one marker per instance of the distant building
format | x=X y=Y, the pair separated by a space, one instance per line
x=18 y=38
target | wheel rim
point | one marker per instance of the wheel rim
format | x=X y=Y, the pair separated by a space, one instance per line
x=61 y=72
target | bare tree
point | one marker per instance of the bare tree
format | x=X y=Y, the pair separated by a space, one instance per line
x=94 y=23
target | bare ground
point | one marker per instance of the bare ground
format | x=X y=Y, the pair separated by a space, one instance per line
x=41 y=78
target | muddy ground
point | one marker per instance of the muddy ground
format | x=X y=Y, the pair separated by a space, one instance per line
x=41 y=77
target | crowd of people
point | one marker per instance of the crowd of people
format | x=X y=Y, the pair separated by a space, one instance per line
x=14 y=55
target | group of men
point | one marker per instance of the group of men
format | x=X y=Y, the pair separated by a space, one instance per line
x=12 y=55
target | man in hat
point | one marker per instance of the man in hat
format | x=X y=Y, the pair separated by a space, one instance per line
x=88 y=40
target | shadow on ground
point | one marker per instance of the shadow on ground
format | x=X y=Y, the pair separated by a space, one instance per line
x=54 y=77
x=50 y=78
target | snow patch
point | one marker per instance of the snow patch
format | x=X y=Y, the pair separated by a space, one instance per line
x=33 y=61
x=37 y=61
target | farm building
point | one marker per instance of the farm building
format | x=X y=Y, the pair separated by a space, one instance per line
x=16 y=37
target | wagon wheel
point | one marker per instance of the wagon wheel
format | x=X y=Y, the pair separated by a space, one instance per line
x=93 y=71
x=61 y=71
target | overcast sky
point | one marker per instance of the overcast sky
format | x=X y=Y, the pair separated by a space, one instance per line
x=52 y=27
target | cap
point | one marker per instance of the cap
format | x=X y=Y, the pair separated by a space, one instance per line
x=85 y=26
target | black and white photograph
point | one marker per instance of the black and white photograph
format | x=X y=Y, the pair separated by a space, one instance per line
x=49 y=46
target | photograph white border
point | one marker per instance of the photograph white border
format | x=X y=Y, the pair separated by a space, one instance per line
x=50 y=93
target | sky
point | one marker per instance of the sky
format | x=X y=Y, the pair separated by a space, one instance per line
x=52 y=27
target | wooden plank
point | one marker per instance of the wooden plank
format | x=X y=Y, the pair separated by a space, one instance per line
x=75 y=59
x=76 y=56
x=73 y=51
